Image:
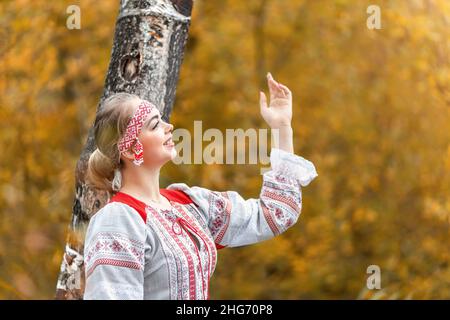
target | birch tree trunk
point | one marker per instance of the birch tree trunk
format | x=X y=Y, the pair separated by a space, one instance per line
x=147 y=53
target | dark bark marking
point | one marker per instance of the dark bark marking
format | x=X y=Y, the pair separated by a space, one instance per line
x=183 y=6
x=129 y=67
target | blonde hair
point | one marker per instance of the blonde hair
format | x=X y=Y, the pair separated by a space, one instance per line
x=110 y=125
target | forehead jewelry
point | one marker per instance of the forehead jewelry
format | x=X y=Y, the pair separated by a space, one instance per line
x=133 y=130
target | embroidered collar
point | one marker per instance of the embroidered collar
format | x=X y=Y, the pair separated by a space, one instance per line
x=171 y=195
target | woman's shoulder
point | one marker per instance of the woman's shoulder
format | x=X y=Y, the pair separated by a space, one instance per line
x=113 y=208
x=203 y=198
x=117 y=216
x=113 y=227
x=177 y=192
x=188 y=191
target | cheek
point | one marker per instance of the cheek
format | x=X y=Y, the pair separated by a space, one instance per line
x=153 y=141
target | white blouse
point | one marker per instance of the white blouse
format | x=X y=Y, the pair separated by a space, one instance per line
x=136 y=251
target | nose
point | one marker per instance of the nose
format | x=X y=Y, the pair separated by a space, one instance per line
x=170 y=126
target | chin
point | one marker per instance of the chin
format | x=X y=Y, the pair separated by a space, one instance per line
x=173 y=154
x=170 y=154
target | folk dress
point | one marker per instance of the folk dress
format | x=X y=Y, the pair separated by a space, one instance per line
x=134 y=250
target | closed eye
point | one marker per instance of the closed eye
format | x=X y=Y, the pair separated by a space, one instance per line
x=157 y=122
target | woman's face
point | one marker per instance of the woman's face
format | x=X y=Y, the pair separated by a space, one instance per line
x=156 y=139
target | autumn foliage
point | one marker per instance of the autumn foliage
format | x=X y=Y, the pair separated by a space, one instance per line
x=371 y=110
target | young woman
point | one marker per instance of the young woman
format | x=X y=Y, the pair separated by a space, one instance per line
x=152 y=243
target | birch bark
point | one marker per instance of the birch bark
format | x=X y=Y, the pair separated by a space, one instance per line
x=148 y=48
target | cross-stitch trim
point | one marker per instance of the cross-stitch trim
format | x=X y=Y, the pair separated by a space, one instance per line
x=134 y=127
x=114 y=249
x=115 y=263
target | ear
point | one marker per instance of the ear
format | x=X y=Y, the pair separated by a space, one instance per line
x=129 y=154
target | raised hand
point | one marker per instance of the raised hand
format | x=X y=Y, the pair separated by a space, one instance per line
x=279 y=111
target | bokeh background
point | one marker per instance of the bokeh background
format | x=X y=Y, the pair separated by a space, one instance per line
x=372 y=111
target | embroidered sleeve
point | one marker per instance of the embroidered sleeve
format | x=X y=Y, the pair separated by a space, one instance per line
x=234 y=221
x=114 y=254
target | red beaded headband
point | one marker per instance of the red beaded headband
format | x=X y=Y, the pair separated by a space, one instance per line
x=133 y=130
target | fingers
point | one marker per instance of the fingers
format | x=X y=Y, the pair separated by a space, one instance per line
x=286 y=90
x=273 y=88
x=276 y=89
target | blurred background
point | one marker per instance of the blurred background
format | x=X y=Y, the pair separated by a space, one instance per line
x=371 y=110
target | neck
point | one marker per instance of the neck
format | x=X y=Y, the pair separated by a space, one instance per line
x=141 y=182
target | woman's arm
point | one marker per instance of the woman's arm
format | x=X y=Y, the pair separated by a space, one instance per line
x=285 y=139
x=235 y=221
x=114 y=254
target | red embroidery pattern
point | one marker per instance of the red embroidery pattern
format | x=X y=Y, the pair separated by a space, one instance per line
x=115 y=263
x=134 y=126
x=282 y=177
x=210 y=255
x=278 y=197
x=278 y=218
x=114 y=249
x=184 y=249
x=175 y=263
x=269 y=220
x=220 y=213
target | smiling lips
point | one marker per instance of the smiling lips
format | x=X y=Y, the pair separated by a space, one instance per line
x=169 y=142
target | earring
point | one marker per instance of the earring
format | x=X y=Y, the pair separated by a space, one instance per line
x=117 y=181
x=139 y=153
